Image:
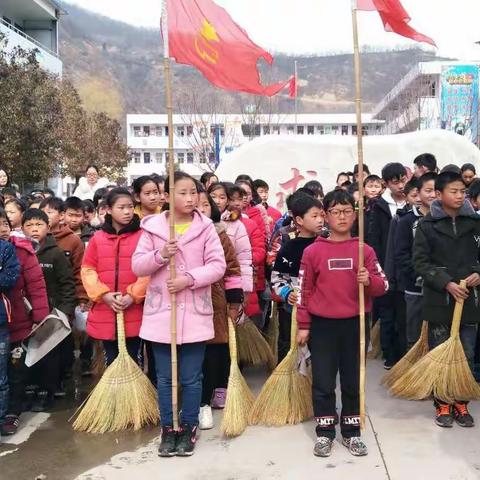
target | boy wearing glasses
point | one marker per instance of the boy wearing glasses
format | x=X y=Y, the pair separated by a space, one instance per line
x=328 y=319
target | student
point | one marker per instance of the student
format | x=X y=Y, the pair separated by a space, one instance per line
x=147 y=196
x=309 y=219
x=262 y=189
x=75 y=218
x=328 y=318
x=373 y=187
x=15 y=210
x=60 y=283
x=469 y=174
x=316 y=187
x=160 y=181
x=9 y=193
x=207 y=179
x=394 y=176
x=227 y=299
x=29 y=306
x=445 y=251
x=108 y=277
x=424 y=163
x=342 y=177
x=403 y=256
x=356 y=177
x=200 y=262
x=474 y=194
x=90 y=212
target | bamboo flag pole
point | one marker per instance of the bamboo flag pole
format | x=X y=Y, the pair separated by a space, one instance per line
x=361 y=218
x=171 y=186
x=296 y=98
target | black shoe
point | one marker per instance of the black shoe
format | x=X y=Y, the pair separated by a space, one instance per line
x=60 y=391
x=168 y=444
x=187 y=436
x=462 y=415
x=43 y=402
x=444 y=416
x=387 y=365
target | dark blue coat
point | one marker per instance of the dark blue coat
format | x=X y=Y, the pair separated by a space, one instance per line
x=9 y=272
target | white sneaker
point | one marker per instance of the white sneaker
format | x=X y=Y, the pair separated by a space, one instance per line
x=205 y=418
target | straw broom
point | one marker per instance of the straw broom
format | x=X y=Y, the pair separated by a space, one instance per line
x=123 y=398
x=416 y=353
x=375 y=340
x=239 y=399
x=253 y=349
x=273 y=332
x=286 y=397
x=443 y=372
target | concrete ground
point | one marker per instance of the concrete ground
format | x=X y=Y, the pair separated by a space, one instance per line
x=403 y=441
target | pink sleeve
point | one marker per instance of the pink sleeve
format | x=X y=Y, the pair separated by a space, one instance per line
x=244 y=256
x=378 y=280
x=147 y=259
x=234 y=281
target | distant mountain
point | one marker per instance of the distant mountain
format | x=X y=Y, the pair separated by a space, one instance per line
x=118 y=68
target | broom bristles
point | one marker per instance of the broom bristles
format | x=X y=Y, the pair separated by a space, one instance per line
x=239 y=399
x=417 y=352
x=253 y=349
x=375 y=341
x=272 y=334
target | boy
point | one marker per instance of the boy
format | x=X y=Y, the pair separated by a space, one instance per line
x=373 y=187
x=424 y=163
x=60 y=283
x=446 y=250
x=403 y=256
x=394 y=176
x=474 y=195
x=328 y=317
x=262 y=188
x=309 y=219
x=75 y=219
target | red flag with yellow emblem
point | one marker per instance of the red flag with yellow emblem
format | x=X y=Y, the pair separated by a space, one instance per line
x=202 y=34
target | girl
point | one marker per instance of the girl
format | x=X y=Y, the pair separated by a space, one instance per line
x=14 y=210
x=4 y=179
x=199 y=262
x=108 y=278
x=29 y=306
x=147 y=196
x=207 y=179
x=227 y=298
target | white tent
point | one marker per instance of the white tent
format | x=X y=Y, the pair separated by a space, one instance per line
x=287 y=162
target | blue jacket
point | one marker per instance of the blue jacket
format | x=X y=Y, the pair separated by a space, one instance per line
x=9 y=272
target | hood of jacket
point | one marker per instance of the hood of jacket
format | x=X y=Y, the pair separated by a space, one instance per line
x=159 y=225
x=231 y=215
x=220 y=227
x=133 y=226
x=62 y=232
x=23 y=243
x=438 y=213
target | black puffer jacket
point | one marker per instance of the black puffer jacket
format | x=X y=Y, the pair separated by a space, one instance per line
x=447 y=250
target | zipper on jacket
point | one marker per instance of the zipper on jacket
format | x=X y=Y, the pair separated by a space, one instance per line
x=117 y=264
x=475 y=292
x=454 y=225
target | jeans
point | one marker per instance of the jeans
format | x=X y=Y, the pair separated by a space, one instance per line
x=4 y=356
x=190 y=362
x=414 y=304
x=110 y=348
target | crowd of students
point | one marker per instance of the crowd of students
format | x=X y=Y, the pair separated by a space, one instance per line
x=235 y=254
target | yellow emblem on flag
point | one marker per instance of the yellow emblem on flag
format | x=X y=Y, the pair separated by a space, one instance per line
x=203 y=42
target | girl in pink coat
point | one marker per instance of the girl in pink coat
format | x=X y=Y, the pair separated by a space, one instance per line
x=199 y=262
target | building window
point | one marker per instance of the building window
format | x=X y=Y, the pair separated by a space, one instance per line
x=266 y=129
x=158 y=131
x=166 y=131
x=321 y=129
x=290 y=130
x=364 y=130
x=354 y=129
x=181 y=131
x=327 y=129
x=159 y=157
x=203 y=133
x=378 y=128
x=310 y=130
x=344 y=129
x=136 y=157
x=300 y=129
x=211 y=157
x=146 y=130
x=167 y=157
x=276 y=130
x=335 y=129
x=433 y=89
x=203 y=157
x=146 y=157
x=136 y=131
x=189 y=130
x=250 y=130
x=189 y=157
x=180 y=157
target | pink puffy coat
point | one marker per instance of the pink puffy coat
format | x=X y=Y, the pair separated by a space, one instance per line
x=200 y=256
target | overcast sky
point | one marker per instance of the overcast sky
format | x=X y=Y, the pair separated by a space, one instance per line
x=318 y=26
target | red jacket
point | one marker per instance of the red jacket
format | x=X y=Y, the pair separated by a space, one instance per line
x=328 y=280
x=259 y=252
x=107 y=267
x=273 y=216
x=30 y=285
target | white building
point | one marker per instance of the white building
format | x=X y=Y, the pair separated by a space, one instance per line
x=33 y=24
x=434 y=95
x=197 y=138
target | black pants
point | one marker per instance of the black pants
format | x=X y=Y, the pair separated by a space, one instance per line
x=284 y=331
x=18 y=374
x=216 y=369
x=110 y=348
x=151 y=371
x=47 y=372
x=335 y=347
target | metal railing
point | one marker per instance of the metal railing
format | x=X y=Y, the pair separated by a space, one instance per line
x=28 y=37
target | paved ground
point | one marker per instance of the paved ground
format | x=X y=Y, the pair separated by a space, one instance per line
x=403 y=440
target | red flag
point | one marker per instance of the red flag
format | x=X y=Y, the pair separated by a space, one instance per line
x=202 y=34
x=292 y=88
x=395 y=18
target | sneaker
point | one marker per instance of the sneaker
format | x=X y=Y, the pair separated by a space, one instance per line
x=387 y=365
x=219 y=398
x=462 y=415
x=168 y=444
x=444 y=416
x=60 y=392
x=42 y=402
x=205 y=418
x=323 y=447
x=10 y=425
x=355 y=446
x=187 y=436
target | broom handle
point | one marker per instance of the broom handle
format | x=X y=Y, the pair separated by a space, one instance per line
x=457 y=314
x=122 y=344
x=232 y=342
x=293 y=330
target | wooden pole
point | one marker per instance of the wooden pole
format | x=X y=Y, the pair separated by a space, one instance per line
x=361 y=218
x=296 y=98
x=171 y=215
